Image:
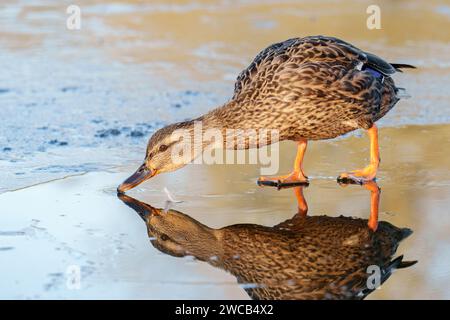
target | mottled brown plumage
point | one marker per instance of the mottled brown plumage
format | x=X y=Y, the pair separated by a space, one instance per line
x=318 y=257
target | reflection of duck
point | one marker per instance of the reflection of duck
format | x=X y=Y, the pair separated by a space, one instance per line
x=306 y=257
x=306 y=88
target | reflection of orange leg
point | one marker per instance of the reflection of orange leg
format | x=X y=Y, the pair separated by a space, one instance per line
x=369 y=172
x=301 y=202
x=374 y=204
x=297 y=176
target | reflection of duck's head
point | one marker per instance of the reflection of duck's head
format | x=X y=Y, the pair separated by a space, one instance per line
x=305 y=257
x=173 y=232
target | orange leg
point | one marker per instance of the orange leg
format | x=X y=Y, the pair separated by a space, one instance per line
x=374 y=204
x=368 y=173
x=301 y=202
x=297 y=176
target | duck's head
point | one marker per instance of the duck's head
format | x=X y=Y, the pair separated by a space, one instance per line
x=178 y=235
x=164 y=153
x=174 y=232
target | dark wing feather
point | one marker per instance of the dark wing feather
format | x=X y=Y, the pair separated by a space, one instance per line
x=399 y=66
x=375 y=62
x=378 y=64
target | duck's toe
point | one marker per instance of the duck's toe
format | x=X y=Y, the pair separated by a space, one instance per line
x=289 y=180
x=357 y=176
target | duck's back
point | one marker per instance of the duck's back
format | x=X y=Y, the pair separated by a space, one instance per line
x=314 y=87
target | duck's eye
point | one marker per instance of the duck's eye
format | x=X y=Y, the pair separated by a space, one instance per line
x=162 y=148
x=164 y=237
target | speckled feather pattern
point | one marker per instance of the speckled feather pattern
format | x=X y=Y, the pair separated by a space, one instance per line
x=317 y=257
x=313 y=88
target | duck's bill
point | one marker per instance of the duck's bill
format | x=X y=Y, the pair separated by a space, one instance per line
x=142 y=208
x=141 y=174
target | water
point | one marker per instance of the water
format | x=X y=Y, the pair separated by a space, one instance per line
x=77 y=102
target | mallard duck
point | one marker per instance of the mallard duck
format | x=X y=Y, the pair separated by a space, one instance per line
x=305 y=257
x=308 y=88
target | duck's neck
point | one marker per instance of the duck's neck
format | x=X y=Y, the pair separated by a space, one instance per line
x=223 y=124
x=219 y=117
x=207 y=247
x=210 y=126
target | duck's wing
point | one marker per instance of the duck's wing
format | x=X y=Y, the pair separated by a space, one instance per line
x=336 y=78
x=291 y=54
x=365 y=59
x=294 y=52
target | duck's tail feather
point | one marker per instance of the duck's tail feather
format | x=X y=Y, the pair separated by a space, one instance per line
x=399 y=66
x=405 y=233
x=398 y=263
x=387 y=271
x=406 y=264
x=395 y=264
x=401 y=93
